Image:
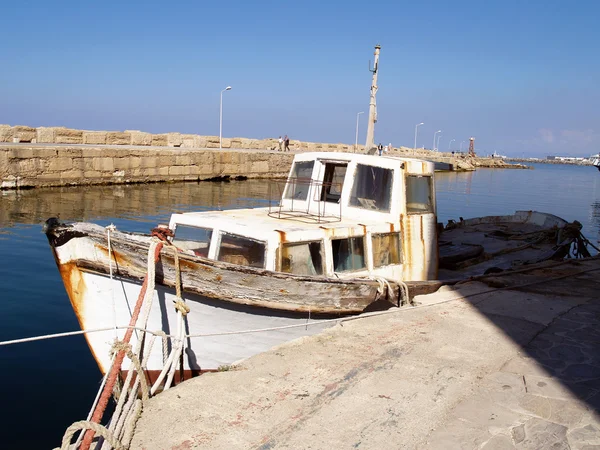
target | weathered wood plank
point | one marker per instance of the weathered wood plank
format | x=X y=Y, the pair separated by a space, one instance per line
x=228 y=282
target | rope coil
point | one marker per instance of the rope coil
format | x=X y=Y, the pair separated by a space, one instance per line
x=92 y=426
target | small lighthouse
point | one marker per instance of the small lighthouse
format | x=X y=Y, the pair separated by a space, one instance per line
x=472 y=146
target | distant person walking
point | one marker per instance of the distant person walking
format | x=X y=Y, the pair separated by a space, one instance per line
x=388 y=148
x=380 y=149
x=286 y=144
x=280 y=143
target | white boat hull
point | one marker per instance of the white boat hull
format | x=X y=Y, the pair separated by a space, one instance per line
x=207 y=316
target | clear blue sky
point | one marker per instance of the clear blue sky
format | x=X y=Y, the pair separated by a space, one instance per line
x=520 y=76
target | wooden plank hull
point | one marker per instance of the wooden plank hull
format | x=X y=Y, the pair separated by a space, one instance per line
x=86 y=246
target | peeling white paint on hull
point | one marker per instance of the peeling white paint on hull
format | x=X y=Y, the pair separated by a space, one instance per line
x=206 y=316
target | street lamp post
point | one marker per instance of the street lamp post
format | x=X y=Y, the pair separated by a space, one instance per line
x=416 y=130
x=228 y=88
x=356 y=140
x=450 y=143
x=437 y=145
x=434 y=134
x=461 y=145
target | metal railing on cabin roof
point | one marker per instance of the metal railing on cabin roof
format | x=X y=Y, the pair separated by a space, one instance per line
x=305 y=200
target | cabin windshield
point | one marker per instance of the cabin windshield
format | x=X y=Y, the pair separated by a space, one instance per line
x=386 y=249
x=348 y=254
x=195 y=239
x=333 y=181
x=241 y=250
x=298 y=184
x=372 y=188
x=302 y=258
x=419 y=197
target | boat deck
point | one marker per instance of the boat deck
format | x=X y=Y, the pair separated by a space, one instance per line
x=251 y=220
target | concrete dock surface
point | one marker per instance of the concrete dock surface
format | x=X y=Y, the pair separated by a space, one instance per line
x=512 y=366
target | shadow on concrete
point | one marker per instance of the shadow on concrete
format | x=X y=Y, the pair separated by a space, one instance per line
x=548 y=394
x=556 y=322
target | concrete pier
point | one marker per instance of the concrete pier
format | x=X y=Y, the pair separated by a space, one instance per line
x=472 y=367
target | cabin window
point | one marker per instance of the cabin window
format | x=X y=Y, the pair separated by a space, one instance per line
x=372 y=188
x=241 y=250
x=333 y=180
x=302 y=258
x=299 y=182
x=386 y=249
x=348 y=254
x=194 y=239
x=419 y=197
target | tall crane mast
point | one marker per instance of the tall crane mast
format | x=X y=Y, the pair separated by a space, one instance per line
x=370 y=144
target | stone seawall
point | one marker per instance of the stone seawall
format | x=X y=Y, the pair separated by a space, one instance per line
x=62 y=135
x=23 y=166
x=58 y=156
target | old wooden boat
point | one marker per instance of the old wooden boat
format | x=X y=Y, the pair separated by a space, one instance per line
x=497 y=243
x=343 y=234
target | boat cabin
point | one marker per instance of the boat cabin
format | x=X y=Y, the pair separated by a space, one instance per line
x=336 y=215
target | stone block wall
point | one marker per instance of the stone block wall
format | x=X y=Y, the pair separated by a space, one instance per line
x=36 y=166
x=62 y=135
x=116 y=157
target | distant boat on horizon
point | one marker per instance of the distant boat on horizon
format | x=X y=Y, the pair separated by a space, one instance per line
x=595 y=159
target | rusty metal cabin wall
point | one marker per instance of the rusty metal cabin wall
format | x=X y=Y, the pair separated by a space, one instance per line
x=419 y=230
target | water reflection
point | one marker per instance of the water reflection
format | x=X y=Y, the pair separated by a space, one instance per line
x=126 y=201
x=457 y=182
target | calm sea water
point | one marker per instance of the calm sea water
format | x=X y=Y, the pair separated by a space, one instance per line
x=45 y=386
